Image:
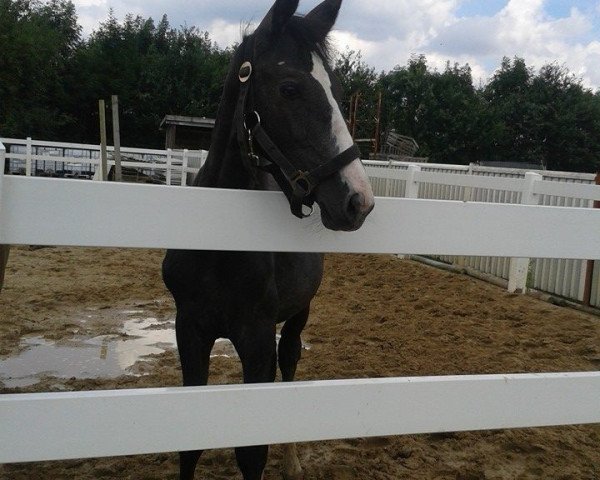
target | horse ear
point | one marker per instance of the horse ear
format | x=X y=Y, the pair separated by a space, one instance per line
x=278 y=16
x=323 y=16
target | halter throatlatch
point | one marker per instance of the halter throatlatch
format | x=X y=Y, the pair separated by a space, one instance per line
x=298 y=185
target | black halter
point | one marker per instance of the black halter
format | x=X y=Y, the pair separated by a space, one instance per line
x=298 y=185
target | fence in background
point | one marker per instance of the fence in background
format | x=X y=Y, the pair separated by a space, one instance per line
x=567 y=278
x=578 y=280
x=71 y=160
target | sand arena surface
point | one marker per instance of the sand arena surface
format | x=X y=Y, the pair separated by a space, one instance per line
x=374 y=316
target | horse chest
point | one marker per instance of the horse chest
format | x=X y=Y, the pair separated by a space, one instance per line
x=230 y=282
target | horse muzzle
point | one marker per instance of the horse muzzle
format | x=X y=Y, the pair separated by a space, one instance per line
x=347 y=215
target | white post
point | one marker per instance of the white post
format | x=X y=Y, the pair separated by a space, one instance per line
x=412 y=184
x=4 y=249
x=467 y=197
x=28 y=153
x=519 y=267
x=169 y=162
x=2 y=167
x=2 y=162
x=388 y=181
x=411 y=190
x=468 y=191
x=184 y=168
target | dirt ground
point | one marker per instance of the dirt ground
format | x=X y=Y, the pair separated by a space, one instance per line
x=375 y=316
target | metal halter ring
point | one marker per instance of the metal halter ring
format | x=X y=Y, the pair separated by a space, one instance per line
x=245 y=72
x=249 y=128
x=309 y=214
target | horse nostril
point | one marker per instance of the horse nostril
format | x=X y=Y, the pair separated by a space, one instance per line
x=355 y=205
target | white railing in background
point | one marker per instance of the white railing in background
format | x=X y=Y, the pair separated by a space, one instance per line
x=564 y=277
x=497 y=185
x=175 y=166
x=89 y=424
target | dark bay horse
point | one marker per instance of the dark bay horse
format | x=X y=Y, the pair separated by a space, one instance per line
x=279 y=126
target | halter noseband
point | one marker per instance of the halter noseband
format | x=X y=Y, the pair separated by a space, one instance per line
x=298 y=185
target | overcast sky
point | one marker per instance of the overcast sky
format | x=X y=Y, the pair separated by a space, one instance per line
x=388 y=32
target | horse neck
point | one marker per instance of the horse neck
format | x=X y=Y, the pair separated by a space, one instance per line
x=224 y=167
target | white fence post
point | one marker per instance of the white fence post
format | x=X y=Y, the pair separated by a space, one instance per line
x=169 y=162
x=2 y=167
x=184 y=167
x=411 y=190
x=388 y=182
x=412 y=185
x=2 y=162
x=4 y=249
x=468 y=191
x=519 y=267
x=28 y=153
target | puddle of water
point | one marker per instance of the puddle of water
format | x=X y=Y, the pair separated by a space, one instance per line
x=106 y=356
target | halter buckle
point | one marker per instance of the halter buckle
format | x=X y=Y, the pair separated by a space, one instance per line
x=301 y=182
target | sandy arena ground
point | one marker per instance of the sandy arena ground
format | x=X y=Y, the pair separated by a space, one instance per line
x=375 y=316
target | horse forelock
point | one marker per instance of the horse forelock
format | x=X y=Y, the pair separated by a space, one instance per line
x=305 y=33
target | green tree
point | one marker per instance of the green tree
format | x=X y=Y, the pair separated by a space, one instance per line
x=437 y=109
x=359 y=79
x=507 y=96
x=568 y=123
x=37 y=44
x=545 y=118
x=155 y=70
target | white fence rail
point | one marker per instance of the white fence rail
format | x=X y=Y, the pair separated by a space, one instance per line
x=564 y=277
x=63 y=212
x=111 y=423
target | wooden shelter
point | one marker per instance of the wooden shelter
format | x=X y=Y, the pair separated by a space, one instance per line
x=193 y=133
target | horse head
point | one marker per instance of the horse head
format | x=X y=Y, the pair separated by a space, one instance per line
x=289 y=117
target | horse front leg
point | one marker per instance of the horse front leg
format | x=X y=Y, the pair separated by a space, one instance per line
x=256 y=347
x=194 y=347
x=289 y=353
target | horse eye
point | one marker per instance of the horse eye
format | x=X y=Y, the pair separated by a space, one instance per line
x=289 y=90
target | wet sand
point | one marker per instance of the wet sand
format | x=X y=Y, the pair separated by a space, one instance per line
x=375 y=316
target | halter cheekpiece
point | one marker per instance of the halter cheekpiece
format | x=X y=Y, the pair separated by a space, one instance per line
x=298 y=185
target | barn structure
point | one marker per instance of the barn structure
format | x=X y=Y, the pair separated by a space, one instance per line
x=193 y=133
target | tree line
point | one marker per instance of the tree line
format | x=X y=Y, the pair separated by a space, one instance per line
x=51 y=78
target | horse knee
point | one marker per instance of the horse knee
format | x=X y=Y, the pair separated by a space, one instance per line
x=290 y=345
